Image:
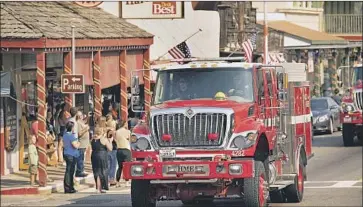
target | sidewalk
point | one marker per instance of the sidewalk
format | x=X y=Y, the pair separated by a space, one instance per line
x=18 y=183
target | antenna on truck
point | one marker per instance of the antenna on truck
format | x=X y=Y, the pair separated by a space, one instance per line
x=227 y=59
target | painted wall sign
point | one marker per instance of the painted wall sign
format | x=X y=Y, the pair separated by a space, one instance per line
x=152 y=10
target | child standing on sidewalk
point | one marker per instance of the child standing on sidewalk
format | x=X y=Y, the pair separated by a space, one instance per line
x=33 y=159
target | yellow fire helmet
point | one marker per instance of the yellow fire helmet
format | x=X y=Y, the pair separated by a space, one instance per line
x=220 y=96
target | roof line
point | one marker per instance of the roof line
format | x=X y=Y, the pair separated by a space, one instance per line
x=34 y=29
x=75 y=11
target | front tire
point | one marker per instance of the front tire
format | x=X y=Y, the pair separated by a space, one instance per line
x=256 y=189
x=141 y=194
x=348 y=135
x=331 y=127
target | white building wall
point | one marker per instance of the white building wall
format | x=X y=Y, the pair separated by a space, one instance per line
x=170 y=32
x=271 y=6
x=293 y=42
x=304 y=20
x=306 y=17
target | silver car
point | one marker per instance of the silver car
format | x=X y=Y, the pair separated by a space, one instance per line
x=326 y=115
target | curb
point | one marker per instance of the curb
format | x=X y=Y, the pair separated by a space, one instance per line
x=47 y=190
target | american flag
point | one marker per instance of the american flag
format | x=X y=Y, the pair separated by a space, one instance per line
x=180 y=51
x=249 y=46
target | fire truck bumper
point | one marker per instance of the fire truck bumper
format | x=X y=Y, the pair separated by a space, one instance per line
x=352 y=118
x=188 y=170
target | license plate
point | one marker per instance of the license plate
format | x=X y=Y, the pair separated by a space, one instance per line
x=167 y=153
x=186 y=169
x=347 y=119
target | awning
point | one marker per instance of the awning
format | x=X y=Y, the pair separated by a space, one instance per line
x=275 y=58
x=312 y=36
x=5 y=84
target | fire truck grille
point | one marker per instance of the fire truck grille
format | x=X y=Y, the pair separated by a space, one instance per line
x=358 y=99
x=200 y=130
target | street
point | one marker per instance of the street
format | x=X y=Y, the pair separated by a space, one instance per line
x=334 y=179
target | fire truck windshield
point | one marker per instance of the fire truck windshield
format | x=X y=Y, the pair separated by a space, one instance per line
x=357 y=75
x=204 y=83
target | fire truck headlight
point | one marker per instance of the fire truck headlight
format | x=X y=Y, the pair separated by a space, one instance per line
x=137 y=170
x=142 y=143
x=239 y=142
x=242 y=142
x=323 y=118
x=235 y=169
x=349 y=108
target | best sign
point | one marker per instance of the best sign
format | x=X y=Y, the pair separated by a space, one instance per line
x=72 y=83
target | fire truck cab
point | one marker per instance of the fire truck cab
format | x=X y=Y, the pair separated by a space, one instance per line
x=219 y=128
x=352 y=104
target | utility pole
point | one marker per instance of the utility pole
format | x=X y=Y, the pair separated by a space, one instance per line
x=73 y=61
x=265 y=33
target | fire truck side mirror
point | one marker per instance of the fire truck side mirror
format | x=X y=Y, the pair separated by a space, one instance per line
x=135 y=88
x=281 y=95
x=280 y=81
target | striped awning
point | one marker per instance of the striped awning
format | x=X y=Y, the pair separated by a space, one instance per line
x=275 y=58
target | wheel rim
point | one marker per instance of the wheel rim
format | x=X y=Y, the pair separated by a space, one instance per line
x=331 y=126
x=262 y=190
x=300 y=179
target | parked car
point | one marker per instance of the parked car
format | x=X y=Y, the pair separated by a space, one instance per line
x=326 y=115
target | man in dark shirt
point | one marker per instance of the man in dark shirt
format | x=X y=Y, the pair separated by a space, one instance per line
x=336 y=96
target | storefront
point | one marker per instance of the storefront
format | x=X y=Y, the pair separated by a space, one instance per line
x=105 y=48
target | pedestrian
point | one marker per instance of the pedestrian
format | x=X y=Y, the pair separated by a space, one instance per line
x=62 y=121
x=71 y=155
x=73 y=111
x=337 y=98
x=33 y=159
x=99 y=158
x=112 y=158
x=83 y=135
x=51 y=140
x=122 y=139
x=110 y=122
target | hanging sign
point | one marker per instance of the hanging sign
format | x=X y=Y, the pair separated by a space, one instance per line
x=152 y=9
x=88 y=4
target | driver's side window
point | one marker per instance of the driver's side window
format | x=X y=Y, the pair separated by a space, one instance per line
x=260 y=85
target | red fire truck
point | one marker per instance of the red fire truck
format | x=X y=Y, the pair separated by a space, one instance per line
x=352 y=104
x=220 y=128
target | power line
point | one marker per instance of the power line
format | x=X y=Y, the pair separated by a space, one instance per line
x=21 y=102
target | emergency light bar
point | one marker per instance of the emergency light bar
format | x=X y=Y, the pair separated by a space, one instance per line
x=227 y=59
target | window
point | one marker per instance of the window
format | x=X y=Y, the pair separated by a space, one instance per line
x=260 y=85
x=187 y=84
x=269 y=82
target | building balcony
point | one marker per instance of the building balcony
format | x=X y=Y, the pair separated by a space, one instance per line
x=343 y=24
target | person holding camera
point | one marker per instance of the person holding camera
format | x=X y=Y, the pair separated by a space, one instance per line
x=83 y=137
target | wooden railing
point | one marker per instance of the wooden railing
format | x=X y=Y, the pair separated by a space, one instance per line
x=343 y=23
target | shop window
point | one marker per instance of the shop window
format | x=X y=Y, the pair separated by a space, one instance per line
x=29 y=61
x=79 y=98
x=29 y=96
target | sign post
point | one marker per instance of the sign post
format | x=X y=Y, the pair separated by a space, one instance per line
x=72 y=84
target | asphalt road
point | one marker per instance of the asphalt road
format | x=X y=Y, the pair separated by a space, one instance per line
x=334 y=179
